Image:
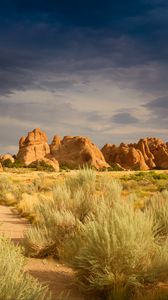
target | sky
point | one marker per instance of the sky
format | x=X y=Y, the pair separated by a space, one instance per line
x=91 y=68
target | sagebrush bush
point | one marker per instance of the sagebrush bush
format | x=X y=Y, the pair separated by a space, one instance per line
x=84 y=178
x=115 y=249
x=15 y=284
x=116 y=254
x=60 y=218
x=158 y=208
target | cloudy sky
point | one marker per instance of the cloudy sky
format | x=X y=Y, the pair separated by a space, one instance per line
x=83 y=67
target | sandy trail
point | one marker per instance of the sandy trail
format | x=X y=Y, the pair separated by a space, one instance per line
x=56 y=275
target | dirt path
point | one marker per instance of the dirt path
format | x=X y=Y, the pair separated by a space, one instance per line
x=56 y=275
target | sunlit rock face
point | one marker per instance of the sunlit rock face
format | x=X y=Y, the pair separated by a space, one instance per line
x=33 y=147
x=77 y=151
x=148 y=153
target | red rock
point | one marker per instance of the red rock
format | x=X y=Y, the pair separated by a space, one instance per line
x=77 y=151
x=56 y=142
x=47 y=161
x=33 y=147
x=128 y=157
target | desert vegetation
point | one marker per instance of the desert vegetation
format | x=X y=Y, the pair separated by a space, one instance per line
x=93 y=222
x=14 y=282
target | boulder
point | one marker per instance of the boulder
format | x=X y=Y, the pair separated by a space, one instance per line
x=33 y=147
x=46 y=163
x=7 y=157
x=78 y=151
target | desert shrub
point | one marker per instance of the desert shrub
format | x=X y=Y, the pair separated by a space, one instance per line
x=14 y=282
x=161 y=176
x=8 y=191
x=113 y=247
x=73 y=201
x=7 y=163
x=116 y=254
x=59 y=219
x=64 y=168
x=158 y=208
x=84 y=178
x=26 y=206
x=39 y=184
x=41 y=166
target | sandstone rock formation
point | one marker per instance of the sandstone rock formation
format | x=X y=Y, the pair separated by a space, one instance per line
x=160 y=152
x=77 y=151
x=56 y=142
x=148 y=153
x=33 y=147
x=6 y=157
x=45 y=162
x=128 y=157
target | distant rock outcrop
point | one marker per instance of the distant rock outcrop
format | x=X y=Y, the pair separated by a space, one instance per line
x=77 y=151
x=33 y=147
x=56 y=142
x=128 y=157
x=148 y=153
x=160 y=152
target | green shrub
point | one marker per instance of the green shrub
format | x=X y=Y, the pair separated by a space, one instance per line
x=7 y=163
x=83 y=178
x=15 y=284
x=72 y=203
x=16 y=164
x=115 y=252
x=41 y=166
x=64 y=168
x=114 y=249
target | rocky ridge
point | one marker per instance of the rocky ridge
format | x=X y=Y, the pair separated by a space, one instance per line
x=147 y=154
x=78 y=151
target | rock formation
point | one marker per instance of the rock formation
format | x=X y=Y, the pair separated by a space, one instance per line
x=77 y=151
x=128 y=157
x=6 y=157
x=160 y=152
x=45 y=162
x=56 y=142
x=147 y=154
x=33 y=147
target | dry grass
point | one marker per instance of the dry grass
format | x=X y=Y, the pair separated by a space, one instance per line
x=113 y=233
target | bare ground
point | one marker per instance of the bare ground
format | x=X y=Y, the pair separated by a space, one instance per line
x=58 y=276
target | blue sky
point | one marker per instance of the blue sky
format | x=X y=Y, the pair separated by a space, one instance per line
x=92 y=68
